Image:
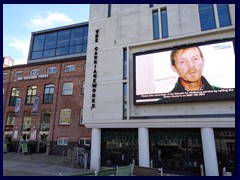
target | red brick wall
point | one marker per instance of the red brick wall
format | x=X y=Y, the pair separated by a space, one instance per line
x=74 y=131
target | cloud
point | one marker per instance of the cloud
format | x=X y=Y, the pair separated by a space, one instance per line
x=21 y=46
x=46 y=20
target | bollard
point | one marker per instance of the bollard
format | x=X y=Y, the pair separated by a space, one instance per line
x=224 y=172
x=201 y=170
x=151 y=163
x=85 y=161
x=161 y=171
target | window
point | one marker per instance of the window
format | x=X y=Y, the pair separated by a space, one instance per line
x=14 y=94
x=67 y=89
x=10 y=121
x=155 y=25
x=27 y=118
x=65 y=117
x=109 y=10
x=164 y=23
x=81 y=116
x=63 y=42
x=150 y=5
x=124 y=63
x=63 y=38
x=124 y=100
x=5 y=75
x=18 y=74
x=34 y=72
x=10 y=118
x=48 y=93
x=45 y=120
x=84 y=142
x=62 y=141
x=206 y=14
x=51 y=70
x=31 y=93
x=223 y=15
x=70 y=68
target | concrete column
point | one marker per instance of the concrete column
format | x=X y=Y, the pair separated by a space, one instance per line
x=209 y=152
x=95 y=162
x=143 y=147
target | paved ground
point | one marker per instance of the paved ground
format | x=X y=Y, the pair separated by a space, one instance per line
x=37 y=165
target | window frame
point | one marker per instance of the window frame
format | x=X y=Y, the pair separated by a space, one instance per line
x=31 y=93
x=12 y=98
x=52 y=70
x=35 y=72
x=61 y=116
x=65 y=89
x=64 y=141
x=50 y=88
x=18 y=74
x=70 y=68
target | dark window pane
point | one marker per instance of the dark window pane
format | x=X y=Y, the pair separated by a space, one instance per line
x=63 y=38
x=223 y=15
x=62 y=51
x=38 y=42
x=51 y=40
x=164 y=23
x=49 y=53
x=75 y=49
x=37 y=54
x=76 y=36
x=206 y=14
x=155 y=25
x=109 y=10
x=84 y=49
x=124 y=63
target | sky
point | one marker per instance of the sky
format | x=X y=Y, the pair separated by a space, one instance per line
x=20 y=20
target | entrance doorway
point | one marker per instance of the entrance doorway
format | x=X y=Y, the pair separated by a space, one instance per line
x=176 y=151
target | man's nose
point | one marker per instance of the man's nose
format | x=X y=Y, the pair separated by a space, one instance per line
x=190 y=63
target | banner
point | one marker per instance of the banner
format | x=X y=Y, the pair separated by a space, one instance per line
x=35 y=105
x=17 y=106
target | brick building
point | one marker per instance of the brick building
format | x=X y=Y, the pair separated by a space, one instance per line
x=48 y=92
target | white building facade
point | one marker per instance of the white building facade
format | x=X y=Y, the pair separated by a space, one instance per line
x=179 y=135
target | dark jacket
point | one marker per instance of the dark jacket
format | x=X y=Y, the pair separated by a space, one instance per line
x=206 y=86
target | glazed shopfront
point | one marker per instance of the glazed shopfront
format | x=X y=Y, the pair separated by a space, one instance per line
x=178 y=151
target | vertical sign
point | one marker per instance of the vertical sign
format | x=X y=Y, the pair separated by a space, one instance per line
x=17 y=106
x=94 y=83
x=33 y=135
x=35 y=105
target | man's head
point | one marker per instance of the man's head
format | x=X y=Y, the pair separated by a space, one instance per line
x=188 y=63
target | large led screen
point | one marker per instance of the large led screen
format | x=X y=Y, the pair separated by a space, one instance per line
x=200 y=72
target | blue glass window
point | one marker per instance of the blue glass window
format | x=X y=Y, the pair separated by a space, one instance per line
x=155 y=25
x=164 y=22
x=109 y=10
x=51 y=40
x=125 y=63
x=62 y=51
x=37 y=54
x=76 y=36
x=124 y=100
x=63 y=38
x=58 y=43
x=38 y=42
x=49 y=53
x=223 y=15
x=206 y=14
